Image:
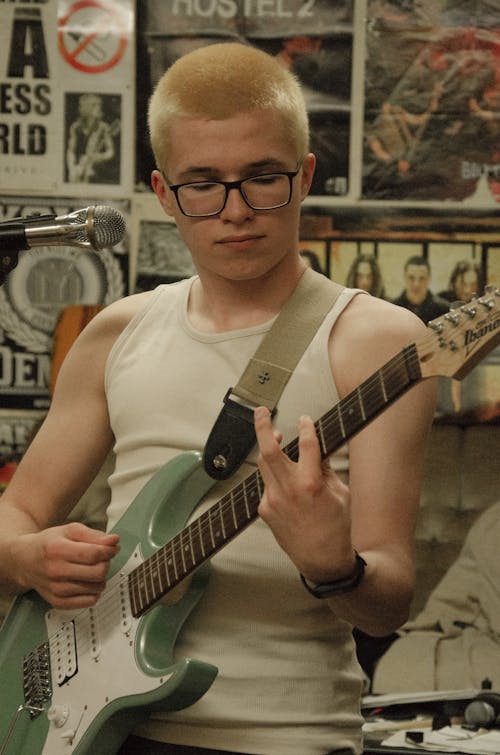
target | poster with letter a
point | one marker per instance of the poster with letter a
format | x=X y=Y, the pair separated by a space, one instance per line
x=29 y=103
x=66 y=88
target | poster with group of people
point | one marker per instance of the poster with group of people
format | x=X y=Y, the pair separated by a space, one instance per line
x=404 y=106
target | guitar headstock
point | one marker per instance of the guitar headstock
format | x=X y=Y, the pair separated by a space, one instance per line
x=458 y=340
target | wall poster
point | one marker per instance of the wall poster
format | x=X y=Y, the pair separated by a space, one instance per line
x=313 y=39
x=432 y=101
x=66 y=82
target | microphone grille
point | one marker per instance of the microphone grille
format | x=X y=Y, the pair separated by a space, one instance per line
x=106 y=226
x=98 y=225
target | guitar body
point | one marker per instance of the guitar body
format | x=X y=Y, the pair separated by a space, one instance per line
x=96 y=673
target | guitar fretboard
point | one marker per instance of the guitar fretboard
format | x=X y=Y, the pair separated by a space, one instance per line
x=207 y=534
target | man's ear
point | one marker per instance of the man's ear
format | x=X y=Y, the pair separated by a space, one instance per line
x=162 y=191
x=308 y=167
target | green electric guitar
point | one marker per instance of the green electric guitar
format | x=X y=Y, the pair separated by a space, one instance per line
x=77 y=683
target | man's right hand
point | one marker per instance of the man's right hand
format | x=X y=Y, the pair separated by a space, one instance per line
x=66 y=565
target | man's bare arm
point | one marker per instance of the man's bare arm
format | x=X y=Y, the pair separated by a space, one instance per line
x=65 y=563
x=317 y=519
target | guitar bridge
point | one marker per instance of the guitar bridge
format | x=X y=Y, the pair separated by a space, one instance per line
x=37 y=685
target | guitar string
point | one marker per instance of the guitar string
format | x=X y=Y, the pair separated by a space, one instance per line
x=326 y=422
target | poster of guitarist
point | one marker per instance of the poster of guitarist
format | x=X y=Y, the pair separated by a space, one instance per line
x=92 y=141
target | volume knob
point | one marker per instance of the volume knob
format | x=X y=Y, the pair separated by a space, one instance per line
x=58 y=714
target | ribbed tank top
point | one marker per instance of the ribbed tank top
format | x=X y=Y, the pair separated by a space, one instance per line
x=288 y=681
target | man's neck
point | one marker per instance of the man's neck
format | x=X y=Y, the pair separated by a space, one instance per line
x=220 y=305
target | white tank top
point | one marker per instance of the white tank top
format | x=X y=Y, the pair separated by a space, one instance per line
x=288 y=681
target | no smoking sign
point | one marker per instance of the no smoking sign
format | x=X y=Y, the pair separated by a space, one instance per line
x=92 y=36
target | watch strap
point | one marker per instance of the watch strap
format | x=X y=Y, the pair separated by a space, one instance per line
x=337 y=586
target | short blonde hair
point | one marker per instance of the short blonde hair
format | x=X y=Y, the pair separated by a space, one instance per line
x=217 y=81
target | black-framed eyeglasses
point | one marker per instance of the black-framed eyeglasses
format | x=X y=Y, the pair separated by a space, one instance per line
x=268 y=191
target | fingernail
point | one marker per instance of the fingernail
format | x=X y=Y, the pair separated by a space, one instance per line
x=261 y=411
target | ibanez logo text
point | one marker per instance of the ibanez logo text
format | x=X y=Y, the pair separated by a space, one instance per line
x=473 y=336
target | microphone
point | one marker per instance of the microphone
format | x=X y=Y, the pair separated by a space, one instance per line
x=93 y=227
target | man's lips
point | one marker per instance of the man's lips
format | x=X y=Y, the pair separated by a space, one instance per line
x=241 y=241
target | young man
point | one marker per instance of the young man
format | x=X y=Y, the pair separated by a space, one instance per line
x=148 y=376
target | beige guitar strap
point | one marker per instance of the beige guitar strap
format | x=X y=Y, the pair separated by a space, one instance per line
x=267 y=373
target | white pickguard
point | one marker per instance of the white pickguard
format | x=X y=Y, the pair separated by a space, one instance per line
x=93 y=662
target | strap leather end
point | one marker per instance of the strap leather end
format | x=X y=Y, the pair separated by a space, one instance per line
x=230 y=441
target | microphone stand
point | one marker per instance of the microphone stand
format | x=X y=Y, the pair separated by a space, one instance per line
x=12 y=241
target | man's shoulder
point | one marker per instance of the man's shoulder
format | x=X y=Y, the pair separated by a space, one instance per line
x=128 y=306
x=401 y=300
x=116 y=316
x=370 y=311
x=369 y=323
x=437 y=302
x=123 y=310
x=371 y=331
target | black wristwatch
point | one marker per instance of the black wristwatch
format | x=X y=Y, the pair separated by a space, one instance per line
x=328 y=589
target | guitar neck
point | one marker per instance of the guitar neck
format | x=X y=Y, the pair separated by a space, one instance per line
x=207 y=534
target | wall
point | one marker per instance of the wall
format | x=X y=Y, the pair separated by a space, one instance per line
x=404 y=101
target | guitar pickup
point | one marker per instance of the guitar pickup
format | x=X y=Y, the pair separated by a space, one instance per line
x=63 y=655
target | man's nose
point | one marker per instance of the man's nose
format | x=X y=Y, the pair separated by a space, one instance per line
x=236 y=207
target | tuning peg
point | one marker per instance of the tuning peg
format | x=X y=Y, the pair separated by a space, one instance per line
x=436 y=325
x=469 y=310
x=452 y=316
x=487 y=303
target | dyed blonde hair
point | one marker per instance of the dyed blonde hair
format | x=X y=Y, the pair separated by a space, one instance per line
x=220 y=80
